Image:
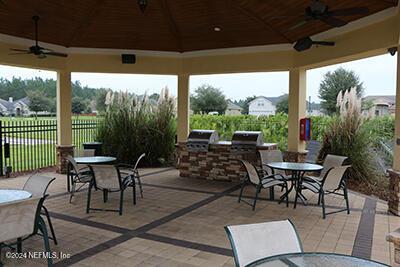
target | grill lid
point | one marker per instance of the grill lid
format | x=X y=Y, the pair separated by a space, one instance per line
x=209 y=136
x=248 y=137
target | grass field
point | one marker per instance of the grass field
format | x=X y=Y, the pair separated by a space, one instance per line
x=32 y=141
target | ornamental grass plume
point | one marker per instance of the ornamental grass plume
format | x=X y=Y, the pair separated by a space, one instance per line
x=132 y=125
x=346 y=136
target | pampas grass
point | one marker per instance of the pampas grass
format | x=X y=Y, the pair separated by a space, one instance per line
x=132 y=126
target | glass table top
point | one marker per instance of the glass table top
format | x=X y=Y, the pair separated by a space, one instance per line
x=95 y=160
x=294 y=166
x=315 y=259
x=8 y=195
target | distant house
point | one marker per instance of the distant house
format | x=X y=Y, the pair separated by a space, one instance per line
x=381 y=105
x=264 y=106
x=233 y=109
x=19 y=107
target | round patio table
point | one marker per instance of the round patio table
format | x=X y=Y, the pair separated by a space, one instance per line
x=315 y=259
x=88 y=161
x=298 y=170
x=95 y=160
x=8 y=195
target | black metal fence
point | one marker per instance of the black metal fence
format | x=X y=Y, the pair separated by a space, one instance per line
x=30 y=144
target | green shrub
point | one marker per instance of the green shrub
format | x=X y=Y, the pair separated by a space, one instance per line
x=131 y=127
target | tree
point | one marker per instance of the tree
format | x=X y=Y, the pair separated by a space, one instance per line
x=78 y=105
x=208 y=99
x=283 y=105
x=245 y=104
x=38 y=102
x=335 y=82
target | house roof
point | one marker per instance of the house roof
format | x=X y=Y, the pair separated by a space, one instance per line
x=233 y=106
x=24 y=100
x=8 y=105
x=389 y=99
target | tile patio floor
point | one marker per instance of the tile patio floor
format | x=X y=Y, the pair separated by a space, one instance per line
x=180 y=221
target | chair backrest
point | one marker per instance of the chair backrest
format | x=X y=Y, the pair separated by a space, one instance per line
x=106 y=176
x=251 y=242
x=37 y=185
x=251 y=171
x=330 y=162
x=334 y=177
x=268 y=156
x=18 y=218
x=313 y=148
x=84 y=152
x=138 y=160
x=71 y=160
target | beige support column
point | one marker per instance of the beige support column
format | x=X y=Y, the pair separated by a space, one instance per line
x=297 y=110
x=183 y=107
x=394 y=180
x=64 y=121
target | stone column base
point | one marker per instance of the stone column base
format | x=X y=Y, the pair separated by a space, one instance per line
x=394 y=192
x=62 y=152
x=295 y=156
x=394 y=237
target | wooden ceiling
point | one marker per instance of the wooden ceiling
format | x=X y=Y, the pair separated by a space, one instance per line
x=169 y=25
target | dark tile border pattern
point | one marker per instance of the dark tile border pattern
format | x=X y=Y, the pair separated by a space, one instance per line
x=362 y=245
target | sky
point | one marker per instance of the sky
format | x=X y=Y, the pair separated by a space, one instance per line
x=377 y=73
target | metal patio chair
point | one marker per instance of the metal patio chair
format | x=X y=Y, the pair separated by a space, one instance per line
x=332 y=182
x=268 y=156
x=256 y=179
x=20 y=220
x=251 y=242
x=108 y=179
x=37 y=185
x=133 y=171
x=330 y=161
x=78 y=175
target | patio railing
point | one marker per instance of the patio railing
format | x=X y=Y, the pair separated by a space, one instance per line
x=31 y=144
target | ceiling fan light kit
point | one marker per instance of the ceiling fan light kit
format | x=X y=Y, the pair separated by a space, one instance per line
x=306 y=43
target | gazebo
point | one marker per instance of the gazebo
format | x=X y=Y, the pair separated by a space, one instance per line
x=185 y=38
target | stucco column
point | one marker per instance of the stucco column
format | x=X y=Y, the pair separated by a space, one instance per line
x=64 y=121
x=183 y=107
x=297 y=110
x=394 y=173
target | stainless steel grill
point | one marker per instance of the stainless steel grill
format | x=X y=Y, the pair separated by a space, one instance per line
x=200 y=140
x=244 y=141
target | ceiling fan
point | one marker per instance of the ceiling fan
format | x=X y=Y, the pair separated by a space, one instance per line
x=307 y=42
x=320 y=11
x=37 y=50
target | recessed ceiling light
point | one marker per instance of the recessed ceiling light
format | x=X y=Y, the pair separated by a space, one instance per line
x=217 y=29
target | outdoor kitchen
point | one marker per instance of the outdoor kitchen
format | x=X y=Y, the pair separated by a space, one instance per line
x=204 y=156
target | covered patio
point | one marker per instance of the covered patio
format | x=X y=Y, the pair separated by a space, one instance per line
x=180 y=221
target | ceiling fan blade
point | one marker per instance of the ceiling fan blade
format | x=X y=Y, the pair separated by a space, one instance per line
x=349 y=11
x=20 y=50
x=332 y=21
x=298 y=25
x=55 y=54
x=13 y=54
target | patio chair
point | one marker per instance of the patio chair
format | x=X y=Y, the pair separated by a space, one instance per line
x=259 y=181
x=133 y=170
x=77 y=175
x=330 y=184
x=268 y=156
x=37 y=185
x=313 y=148
x=251 y=242
x=20 y=220
x=329 y=162
x=108 y=179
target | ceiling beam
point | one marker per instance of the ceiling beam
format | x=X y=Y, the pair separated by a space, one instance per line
x=257 y=18
x=172 y=24
x=86 y=19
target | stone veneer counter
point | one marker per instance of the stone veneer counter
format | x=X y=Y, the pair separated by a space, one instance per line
x=218 y=163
